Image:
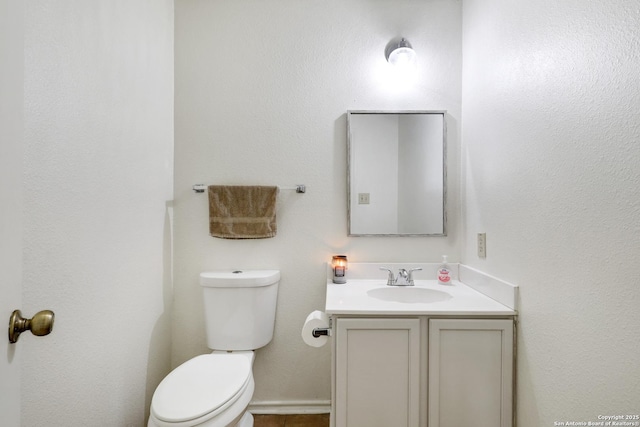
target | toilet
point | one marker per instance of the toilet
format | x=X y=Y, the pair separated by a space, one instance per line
x=214 y=390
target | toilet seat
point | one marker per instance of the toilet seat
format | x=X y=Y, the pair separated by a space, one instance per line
x=201 y=387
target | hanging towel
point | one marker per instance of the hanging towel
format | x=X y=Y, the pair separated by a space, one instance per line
x=242 y=212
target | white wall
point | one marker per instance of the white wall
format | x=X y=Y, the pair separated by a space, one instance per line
x=11 y=118
x=551 y=152
x=98 y=173
x=262 y=90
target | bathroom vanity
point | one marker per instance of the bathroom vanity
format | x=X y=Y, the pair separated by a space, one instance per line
x=422 y=355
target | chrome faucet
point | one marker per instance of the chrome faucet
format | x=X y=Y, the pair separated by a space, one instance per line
x=405 y=277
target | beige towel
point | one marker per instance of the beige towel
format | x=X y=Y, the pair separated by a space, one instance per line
x=242 y=212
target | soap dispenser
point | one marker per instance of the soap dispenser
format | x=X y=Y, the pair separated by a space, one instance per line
x=444 y=272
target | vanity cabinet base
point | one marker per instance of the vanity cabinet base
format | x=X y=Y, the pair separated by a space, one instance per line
x=423 y=372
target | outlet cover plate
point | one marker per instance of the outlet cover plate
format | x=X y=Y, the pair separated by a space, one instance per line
x=482 y=245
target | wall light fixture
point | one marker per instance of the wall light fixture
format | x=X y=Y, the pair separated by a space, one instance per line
x=400 y=53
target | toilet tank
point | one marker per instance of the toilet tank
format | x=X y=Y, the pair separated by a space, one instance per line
x=239 y=308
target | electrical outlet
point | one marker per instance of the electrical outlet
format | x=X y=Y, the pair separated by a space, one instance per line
x=482 y=245
x=363 y=198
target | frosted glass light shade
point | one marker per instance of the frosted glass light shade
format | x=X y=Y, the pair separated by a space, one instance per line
x=401 y=53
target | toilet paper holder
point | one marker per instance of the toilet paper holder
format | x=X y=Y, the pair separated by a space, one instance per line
x=318 y=332
x=316 y=329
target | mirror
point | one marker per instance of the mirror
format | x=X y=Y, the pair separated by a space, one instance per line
x=396 y=173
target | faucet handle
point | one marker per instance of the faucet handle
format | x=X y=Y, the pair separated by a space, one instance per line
x=410 y=278
x=390 y=279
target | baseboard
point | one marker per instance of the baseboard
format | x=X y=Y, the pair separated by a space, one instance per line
x=283 y=407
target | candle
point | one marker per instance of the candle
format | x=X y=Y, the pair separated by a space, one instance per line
x=339 y=267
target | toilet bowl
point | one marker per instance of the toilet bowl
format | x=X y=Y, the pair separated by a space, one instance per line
x=210 y=390
x=214 y=390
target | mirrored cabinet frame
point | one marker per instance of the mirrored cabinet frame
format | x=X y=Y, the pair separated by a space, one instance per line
x=439 y=205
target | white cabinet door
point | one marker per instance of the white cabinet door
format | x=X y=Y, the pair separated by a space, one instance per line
x=377 y=376
x=470 y=373
x=12 y=19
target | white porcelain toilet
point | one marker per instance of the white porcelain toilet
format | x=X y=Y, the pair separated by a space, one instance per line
x=214 y=390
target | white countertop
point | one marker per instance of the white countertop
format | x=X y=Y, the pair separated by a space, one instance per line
x=427 y=297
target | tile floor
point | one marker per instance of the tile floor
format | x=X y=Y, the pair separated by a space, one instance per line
x=307 y=420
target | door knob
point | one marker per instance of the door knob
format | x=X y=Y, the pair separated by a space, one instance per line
x=41 y=324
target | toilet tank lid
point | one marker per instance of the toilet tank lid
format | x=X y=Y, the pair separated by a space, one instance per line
x=239 y=278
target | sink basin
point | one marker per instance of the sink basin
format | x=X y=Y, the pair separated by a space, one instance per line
x=408 y=294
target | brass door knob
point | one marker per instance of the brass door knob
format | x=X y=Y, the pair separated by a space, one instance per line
x=41 y=324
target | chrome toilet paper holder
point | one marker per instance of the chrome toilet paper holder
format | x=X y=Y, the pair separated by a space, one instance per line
x=318 y=332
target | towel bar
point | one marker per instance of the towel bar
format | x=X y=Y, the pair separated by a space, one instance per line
x=300 y=188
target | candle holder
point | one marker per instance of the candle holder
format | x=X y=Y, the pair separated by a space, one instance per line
x=339 y=268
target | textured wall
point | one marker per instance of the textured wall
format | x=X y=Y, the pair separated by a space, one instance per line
x=261 y=94
x=98 y=173
x=551 y=152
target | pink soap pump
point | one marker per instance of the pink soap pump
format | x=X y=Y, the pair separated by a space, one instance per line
x=444 y=272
